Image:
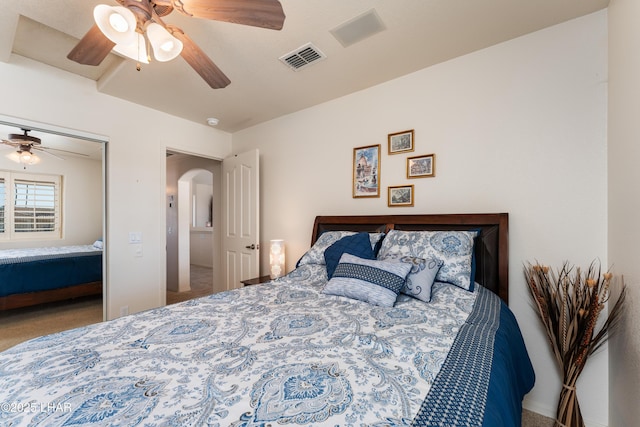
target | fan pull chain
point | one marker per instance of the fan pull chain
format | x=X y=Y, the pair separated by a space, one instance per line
x=138 y=66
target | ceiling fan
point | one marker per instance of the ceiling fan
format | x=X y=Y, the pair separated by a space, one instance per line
x=129 y=29
x=27 y=147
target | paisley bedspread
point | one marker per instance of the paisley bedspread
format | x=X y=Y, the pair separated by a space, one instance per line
x=274 y=354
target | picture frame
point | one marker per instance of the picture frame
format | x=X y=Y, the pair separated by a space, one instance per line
x=421 y=166
x=400 y=195
x=366 y=171
x=401 y=142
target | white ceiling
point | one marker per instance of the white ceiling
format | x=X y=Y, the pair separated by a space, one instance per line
x=418 y=33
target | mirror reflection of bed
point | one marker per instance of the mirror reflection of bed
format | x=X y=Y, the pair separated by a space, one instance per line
x=51 y=281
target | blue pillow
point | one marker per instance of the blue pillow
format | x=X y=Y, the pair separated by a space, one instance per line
x=372 y=281
x=315 y=255
x=356 y=244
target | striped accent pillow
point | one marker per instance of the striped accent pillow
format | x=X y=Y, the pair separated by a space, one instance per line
x=372 y=281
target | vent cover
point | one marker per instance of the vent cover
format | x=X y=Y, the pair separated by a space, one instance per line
x=302 y=57
x=358 y=28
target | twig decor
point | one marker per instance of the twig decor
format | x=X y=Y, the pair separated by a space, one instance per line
x=569 y=303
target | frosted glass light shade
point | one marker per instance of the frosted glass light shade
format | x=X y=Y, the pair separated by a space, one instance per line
x=165 y=46
x=117 y=23
x=24 y=157
x=136 y=50
x=276 y=258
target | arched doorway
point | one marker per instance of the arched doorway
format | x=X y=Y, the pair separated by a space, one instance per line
x=193 y=218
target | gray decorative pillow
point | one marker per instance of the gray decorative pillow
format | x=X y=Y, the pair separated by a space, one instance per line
x=315 y=255
x=453 y=248
x=373 y=281
x=421 y=277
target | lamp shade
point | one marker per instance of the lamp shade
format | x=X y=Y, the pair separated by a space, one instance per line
x=136 y=50
x=165 y=46
x=24 y=157
x=276 y=258
x=117 y=23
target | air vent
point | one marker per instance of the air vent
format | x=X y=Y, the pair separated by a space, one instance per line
x=358 y=28
x=302 y=57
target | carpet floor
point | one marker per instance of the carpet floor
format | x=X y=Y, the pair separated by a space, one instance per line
x=21 y=324
x=201 y=282
x=532 y=419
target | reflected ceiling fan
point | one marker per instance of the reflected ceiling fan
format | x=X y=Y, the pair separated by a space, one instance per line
x=27 y=147
x=132 y=27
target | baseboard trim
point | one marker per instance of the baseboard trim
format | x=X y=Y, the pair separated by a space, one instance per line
x=551 y=412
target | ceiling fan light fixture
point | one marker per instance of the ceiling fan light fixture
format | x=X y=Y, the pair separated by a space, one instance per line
x=165 y=46
x=24 y=157
x=136 y=50
x=117 y=23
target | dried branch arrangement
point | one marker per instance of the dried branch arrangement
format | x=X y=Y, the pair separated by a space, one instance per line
x=569 y=303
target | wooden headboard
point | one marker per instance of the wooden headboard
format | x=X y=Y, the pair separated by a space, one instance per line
x=491 y=249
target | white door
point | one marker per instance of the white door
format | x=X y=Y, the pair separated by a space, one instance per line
x=240 y=218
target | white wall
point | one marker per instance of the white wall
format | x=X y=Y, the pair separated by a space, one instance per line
x=81 y=195
x=624 y=204
x=203 y=193
x=519 y=127
x=138 y=139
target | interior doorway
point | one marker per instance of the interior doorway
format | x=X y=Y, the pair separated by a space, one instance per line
x=193 y=226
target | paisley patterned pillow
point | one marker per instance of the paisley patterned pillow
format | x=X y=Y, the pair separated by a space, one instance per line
x=421 y=277
x=315 y=255
x=453 y=248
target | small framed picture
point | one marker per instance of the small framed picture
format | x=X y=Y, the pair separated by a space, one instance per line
x=401 y=142
x=421 y=166
x=401 y=195
x=366 y=171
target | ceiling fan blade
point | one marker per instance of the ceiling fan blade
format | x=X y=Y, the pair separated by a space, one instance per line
x=199 y=61
x=7 y=143
x=257 y=13
x=49 y=149
x=92 y=48
x=40 y=150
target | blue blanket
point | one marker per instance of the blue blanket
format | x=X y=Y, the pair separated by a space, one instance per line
x=41 y=269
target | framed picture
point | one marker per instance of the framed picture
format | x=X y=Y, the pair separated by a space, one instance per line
x=401 y=142
x=401 y=195
x=366 y=171
x=421 y=166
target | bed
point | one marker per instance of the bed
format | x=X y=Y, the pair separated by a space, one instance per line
x=33 y=276
x=293 y=351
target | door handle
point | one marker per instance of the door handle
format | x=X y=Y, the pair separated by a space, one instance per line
x=250 y=247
